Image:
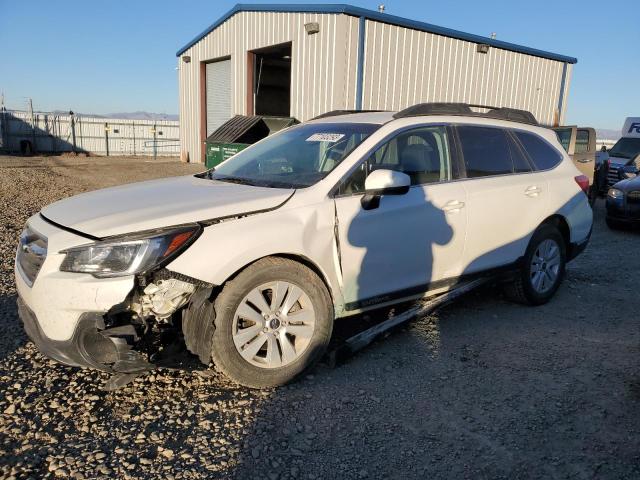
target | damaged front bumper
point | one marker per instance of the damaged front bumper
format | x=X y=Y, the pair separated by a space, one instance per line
x=146 y=331
x=91 y=344
x=120 y=325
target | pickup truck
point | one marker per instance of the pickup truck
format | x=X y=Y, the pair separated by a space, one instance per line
x=623 y=159
x=580 y=144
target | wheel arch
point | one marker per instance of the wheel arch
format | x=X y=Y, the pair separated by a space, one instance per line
x=301 y=259
x=562 y=225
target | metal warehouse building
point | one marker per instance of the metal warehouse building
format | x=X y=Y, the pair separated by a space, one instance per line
x=304 y=60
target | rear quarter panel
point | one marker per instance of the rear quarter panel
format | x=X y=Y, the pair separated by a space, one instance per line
x=568 y=200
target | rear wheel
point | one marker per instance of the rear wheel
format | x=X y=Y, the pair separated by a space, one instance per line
x=273 y=321
x=543 y=268
x=615 y=224
x=593 y=195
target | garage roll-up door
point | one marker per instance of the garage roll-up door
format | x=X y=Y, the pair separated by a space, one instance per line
x=218 y=94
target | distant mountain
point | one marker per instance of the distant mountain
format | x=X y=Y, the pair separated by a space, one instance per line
x=605 y=134
x=142 y=116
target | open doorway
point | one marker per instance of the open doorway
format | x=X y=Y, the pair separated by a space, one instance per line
x=272 y=80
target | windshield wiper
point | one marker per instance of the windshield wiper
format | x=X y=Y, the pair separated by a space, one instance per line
x=238 y=180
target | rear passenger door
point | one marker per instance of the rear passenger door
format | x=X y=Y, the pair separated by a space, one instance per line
x=506 y=197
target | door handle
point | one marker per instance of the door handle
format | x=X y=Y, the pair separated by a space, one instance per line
x=453 y=206
x=533 y=191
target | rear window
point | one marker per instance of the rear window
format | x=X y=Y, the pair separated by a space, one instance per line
x=485 y=151
x=541 y=153
x=582 y=141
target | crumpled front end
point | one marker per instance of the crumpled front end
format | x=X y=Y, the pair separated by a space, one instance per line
x=122 y=325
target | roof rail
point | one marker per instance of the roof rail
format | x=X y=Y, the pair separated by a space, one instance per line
x=512 y=115
x=335 y=113
x=436 y=108
x=439 y=108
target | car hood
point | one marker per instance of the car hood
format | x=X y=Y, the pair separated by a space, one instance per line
x=160 y=203
x=628 y=185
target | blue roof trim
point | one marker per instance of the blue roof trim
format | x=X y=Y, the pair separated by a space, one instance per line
x=378 y=17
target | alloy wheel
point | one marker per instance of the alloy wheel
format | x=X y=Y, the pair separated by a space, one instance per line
x=545 y=266
x=273 y=324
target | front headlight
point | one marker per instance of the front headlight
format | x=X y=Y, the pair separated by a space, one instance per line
x=129 y=254
x=615 y=193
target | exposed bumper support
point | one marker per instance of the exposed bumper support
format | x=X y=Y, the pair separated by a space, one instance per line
x=90 y=345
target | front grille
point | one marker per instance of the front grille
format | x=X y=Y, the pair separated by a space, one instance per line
x=32 y=251
x=633 y=198
x=612 y=175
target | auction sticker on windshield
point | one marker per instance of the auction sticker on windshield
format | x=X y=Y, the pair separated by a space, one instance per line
x=325 y=137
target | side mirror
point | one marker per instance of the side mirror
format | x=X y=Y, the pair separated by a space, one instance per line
x=383 y=182
x=387 y=182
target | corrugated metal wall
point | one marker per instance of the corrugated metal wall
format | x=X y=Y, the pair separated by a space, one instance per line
x=52 y=133
x=404 y=67
x=322 y=65
x=401 y=67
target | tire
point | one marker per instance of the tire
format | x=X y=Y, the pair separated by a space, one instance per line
x=615 y=224
x=288 y=325
x=526 y=287
x=592 y=195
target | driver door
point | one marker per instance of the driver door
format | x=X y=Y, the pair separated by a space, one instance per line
x=411 y=242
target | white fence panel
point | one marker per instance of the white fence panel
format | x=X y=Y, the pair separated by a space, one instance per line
x=56 y=133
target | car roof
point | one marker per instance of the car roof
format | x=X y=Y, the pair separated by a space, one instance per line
x=378 y=118
x=381 y=118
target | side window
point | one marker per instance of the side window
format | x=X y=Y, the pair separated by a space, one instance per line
x=422 y=153
x=564 y=137
x=520 y=162
x=543 y=155
x=485 y=151
x=582 y=141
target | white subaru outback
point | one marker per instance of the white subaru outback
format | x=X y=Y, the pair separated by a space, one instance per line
x=249 y=264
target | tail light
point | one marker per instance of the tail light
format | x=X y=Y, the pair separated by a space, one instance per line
x=583 y=183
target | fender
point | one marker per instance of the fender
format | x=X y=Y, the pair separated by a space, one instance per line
x=225 y=248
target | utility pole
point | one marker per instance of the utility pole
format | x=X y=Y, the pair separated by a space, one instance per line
x=33 y=127
x=155 y=146
x=3 y=125
x=72 y=121
x=106 y=138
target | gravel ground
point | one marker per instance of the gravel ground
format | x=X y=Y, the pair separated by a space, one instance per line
x=482 y=389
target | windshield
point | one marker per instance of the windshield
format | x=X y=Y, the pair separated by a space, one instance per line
x=564 y=137
x=295 y=158
x=625 y=148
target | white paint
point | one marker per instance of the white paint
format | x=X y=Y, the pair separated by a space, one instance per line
x=381 y=179
x=631 y=127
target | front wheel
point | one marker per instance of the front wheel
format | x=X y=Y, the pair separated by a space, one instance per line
x=543 y=268
x=273 y=321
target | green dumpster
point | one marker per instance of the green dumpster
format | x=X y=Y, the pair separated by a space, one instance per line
x=219 y=152
x=238 y=133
